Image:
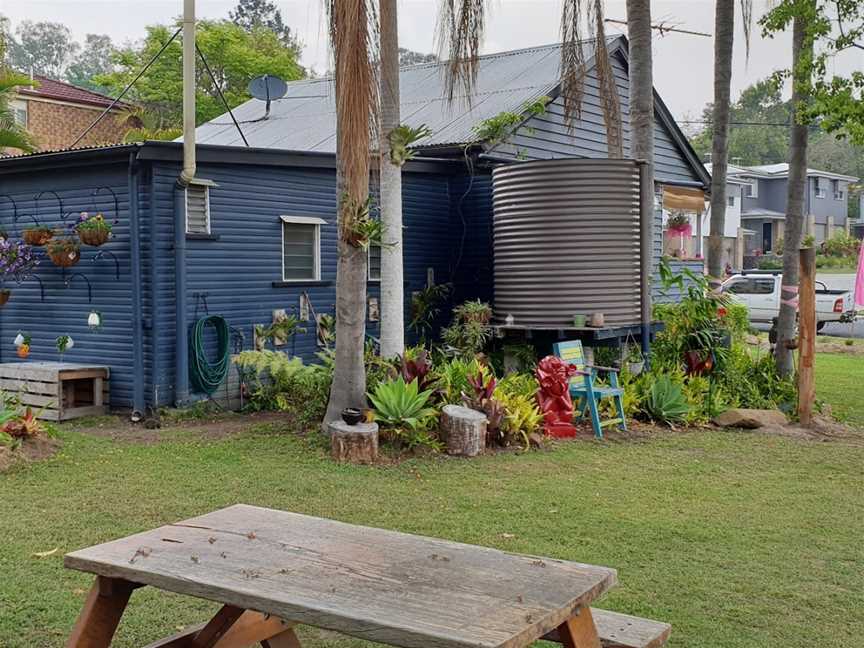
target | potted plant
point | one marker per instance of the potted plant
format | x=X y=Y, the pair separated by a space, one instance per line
x=474 y=311
x=679 y=224
x=22 y=342
x=93 y=229
x=635 y=360
x=64 y=252
x=17 y=262
x=38 y=235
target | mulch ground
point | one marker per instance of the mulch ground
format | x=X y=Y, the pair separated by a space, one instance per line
x=34 y=449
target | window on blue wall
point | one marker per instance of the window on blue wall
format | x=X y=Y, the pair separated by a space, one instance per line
x=301 y=248
x=374 y=262
x=198 y=208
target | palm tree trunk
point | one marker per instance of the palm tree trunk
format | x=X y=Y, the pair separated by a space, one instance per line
x=642 y=124
x=802 y=48
x=356 y=106
x=392 y=294
x=724 y=33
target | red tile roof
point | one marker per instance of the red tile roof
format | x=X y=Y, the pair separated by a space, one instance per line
x=61 y=91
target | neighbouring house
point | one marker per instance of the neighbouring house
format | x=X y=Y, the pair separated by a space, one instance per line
x=256 y=234
x=56 y=113
x=763 y=204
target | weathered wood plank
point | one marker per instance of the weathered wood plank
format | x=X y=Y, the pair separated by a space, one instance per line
x=370 y=583
x=77 y=412
x=250 y=628
x=287 y=639
x=103 y=608
x=29 y=386
x=50 y=371
x=617 y=630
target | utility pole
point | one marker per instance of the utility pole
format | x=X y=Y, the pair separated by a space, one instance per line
x=189 y=165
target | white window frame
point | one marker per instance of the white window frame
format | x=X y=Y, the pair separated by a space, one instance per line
x=752 y=189
x=20 y=106
x=820 y=191
x=369 y=276
x=199 y=182
x=302 y=220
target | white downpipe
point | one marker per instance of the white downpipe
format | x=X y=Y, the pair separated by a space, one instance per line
x=189 y=166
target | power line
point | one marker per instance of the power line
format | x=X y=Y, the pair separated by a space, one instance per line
x=662 y=28
x=705 y=121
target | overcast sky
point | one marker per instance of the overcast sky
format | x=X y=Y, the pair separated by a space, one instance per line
x=683 y=64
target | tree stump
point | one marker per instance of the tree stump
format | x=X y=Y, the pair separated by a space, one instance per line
x=464 y=429
x=353 y=443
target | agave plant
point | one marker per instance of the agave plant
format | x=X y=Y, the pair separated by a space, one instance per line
x=666 y=402
x=399 y=404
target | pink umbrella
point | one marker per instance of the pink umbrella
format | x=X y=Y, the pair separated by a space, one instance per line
x=859 y=280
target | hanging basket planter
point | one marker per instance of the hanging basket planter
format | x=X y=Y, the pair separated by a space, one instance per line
x=5 y=294
x=94 y=237
x=93 y=229
x=37 y=235
x=64 y=253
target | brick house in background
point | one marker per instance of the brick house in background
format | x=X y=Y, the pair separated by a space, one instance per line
x=56 y=113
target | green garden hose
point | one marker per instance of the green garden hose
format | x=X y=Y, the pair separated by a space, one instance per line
x=206 y=376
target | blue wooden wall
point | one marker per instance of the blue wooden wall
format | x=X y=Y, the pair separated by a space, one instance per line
x=65 y=309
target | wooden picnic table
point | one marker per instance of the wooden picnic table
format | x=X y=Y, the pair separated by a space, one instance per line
x=273 y=569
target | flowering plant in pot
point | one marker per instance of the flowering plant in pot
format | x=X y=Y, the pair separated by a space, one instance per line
x=17 y=262
x=679 y=224
x=38 y=235
x=64 y=252
x=93 y=229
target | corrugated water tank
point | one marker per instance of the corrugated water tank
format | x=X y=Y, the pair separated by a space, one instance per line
x=566 y=241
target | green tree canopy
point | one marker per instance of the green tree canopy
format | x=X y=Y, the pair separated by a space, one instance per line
x=760 y=103
x=43 y=47
x=234 y=54
x=250 y=14
x=94 y=59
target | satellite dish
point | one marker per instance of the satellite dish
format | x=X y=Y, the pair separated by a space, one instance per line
x=267 y=88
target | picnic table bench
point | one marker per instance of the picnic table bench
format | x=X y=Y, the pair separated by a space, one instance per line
x=271 y=570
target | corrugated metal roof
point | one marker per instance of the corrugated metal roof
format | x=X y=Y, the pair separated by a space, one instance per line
x=305 y=119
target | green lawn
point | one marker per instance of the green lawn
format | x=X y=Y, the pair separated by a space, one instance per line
x=839 y=382
x=737 y=539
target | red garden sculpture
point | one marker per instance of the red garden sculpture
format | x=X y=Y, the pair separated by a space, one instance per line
x=554 y=375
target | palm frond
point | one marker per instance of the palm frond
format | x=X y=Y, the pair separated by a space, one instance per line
x=16 y=138
x=575 y=15
x=747 y=19
x=354 y=41
x=9 y=80
x=461 y=26
x=608 y=87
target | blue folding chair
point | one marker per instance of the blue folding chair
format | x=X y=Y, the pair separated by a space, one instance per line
x=586 y=393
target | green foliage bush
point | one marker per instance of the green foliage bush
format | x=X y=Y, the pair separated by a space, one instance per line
x=277 y=381
x=665 y=402
x=469 y=332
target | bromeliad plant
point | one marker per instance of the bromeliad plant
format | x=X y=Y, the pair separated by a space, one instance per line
x=359 y=228
x=401 y=138
x=482 y=399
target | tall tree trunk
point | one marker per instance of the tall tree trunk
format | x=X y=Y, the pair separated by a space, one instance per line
x=802 y=49
x=392 y=293
x=724 y=34
x=356 y=106
x=642 y=123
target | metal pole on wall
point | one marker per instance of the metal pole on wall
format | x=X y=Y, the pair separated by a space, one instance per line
x=646 y=254
x=188 y=172
x=806 y=334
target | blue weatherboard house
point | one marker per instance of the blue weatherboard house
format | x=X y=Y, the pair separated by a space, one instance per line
x=257 y=233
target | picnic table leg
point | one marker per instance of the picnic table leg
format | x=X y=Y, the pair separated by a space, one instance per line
x=579 y=630
x=285 y=639
x=103 y=608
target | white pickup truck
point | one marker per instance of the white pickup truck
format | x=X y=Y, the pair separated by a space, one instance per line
x=760 y=293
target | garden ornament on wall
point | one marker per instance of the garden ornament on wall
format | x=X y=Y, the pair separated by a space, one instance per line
x=64 y=343
x=94 y=320
x=22 y=344
x=553 y=397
